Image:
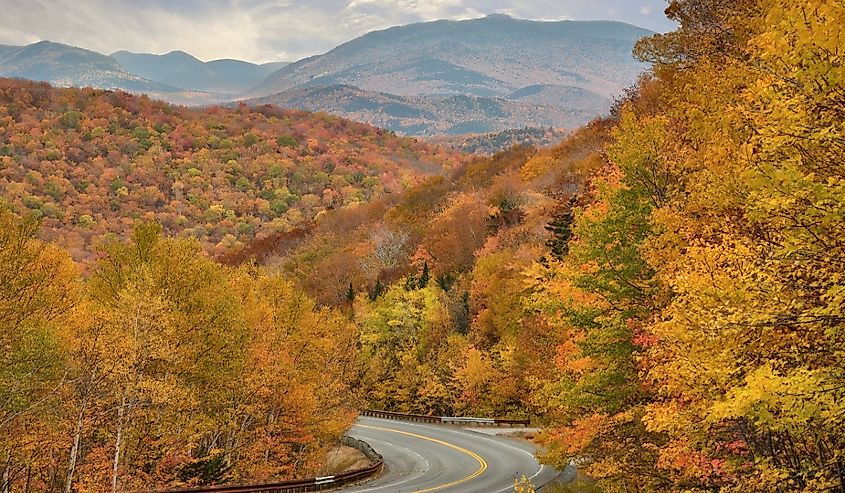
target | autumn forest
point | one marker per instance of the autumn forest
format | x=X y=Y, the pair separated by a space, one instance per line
x=207 y=296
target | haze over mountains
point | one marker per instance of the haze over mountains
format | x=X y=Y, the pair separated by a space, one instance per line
x=436 y=78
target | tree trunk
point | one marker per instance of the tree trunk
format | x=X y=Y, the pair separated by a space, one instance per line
x=28 y=478
x=7 y=474
x=74 y=450
x=840 y=468
x=117 y=444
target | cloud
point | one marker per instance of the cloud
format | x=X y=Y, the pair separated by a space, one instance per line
x=274 y=30
x=108 y=26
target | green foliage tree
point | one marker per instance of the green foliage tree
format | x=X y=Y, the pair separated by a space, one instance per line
x=425 y=276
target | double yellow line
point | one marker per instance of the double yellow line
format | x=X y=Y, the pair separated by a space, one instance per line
x=482 y=464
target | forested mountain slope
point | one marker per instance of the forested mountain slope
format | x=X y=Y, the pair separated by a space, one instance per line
x=431 y=115
x=93 y=162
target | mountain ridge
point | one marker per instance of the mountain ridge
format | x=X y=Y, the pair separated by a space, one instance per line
x=66 y=65
x=490 y=48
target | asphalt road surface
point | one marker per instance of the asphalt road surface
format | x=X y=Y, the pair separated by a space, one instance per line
x=422 y=458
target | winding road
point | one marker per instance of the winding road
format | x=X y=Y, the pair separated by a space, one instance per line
x=422 y=458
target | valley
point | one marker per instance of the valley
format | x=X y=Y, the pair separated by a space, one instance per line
x=430 y=116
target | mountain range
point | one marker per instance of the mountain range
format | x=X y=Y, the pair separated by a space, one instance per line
x=434 y=78
x=491 y=56
x=176 y=77
x=465 y=77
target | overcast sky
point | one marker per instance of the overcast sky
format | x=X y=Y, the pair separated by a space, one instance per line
x=275 y=30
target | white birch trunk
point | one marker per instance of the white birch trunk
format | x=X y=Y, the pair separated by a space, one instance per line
x=74 y=450
x=117 y=445
x=6 y=480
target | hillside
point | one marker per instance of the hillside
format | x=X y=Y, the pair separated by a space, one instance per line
x=183 y=70
x=92 y=162
x=431 y=115
x=445 y=221
x=569 y=97
x=492 y=143
x=492 y=56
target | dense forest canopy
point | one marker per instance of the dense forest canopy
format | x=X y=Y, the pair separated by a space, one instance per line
x=91 y=162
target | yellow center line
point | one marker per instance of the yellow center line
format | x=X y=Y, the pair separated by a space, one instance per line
x=481 y=462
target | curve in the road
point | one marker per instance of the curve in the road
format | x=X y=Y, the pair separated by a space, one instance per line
x=432 y=458
x=481 y=462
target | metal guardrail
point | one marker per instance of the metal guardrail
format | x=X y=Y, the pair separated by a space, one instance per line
x=423 y=418
x=467 y=420
x=512 y=422
x=299 y=485
x=454 y=420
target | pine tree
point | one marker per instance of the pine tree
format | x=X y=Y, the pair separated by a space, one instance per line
x=424 y=277
x=350 y=293
x=462 y=319
x=378 y=289
x=561 y=229
x=445 y=281
x=411 y=283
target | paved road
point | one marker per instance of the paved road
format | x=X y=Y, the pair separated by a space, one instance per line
x=423 y=458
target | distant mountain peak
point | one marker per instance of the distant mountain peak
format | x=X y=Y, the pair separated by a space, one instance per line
x=46 y=44
x=180 y=54
x=497 y=15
